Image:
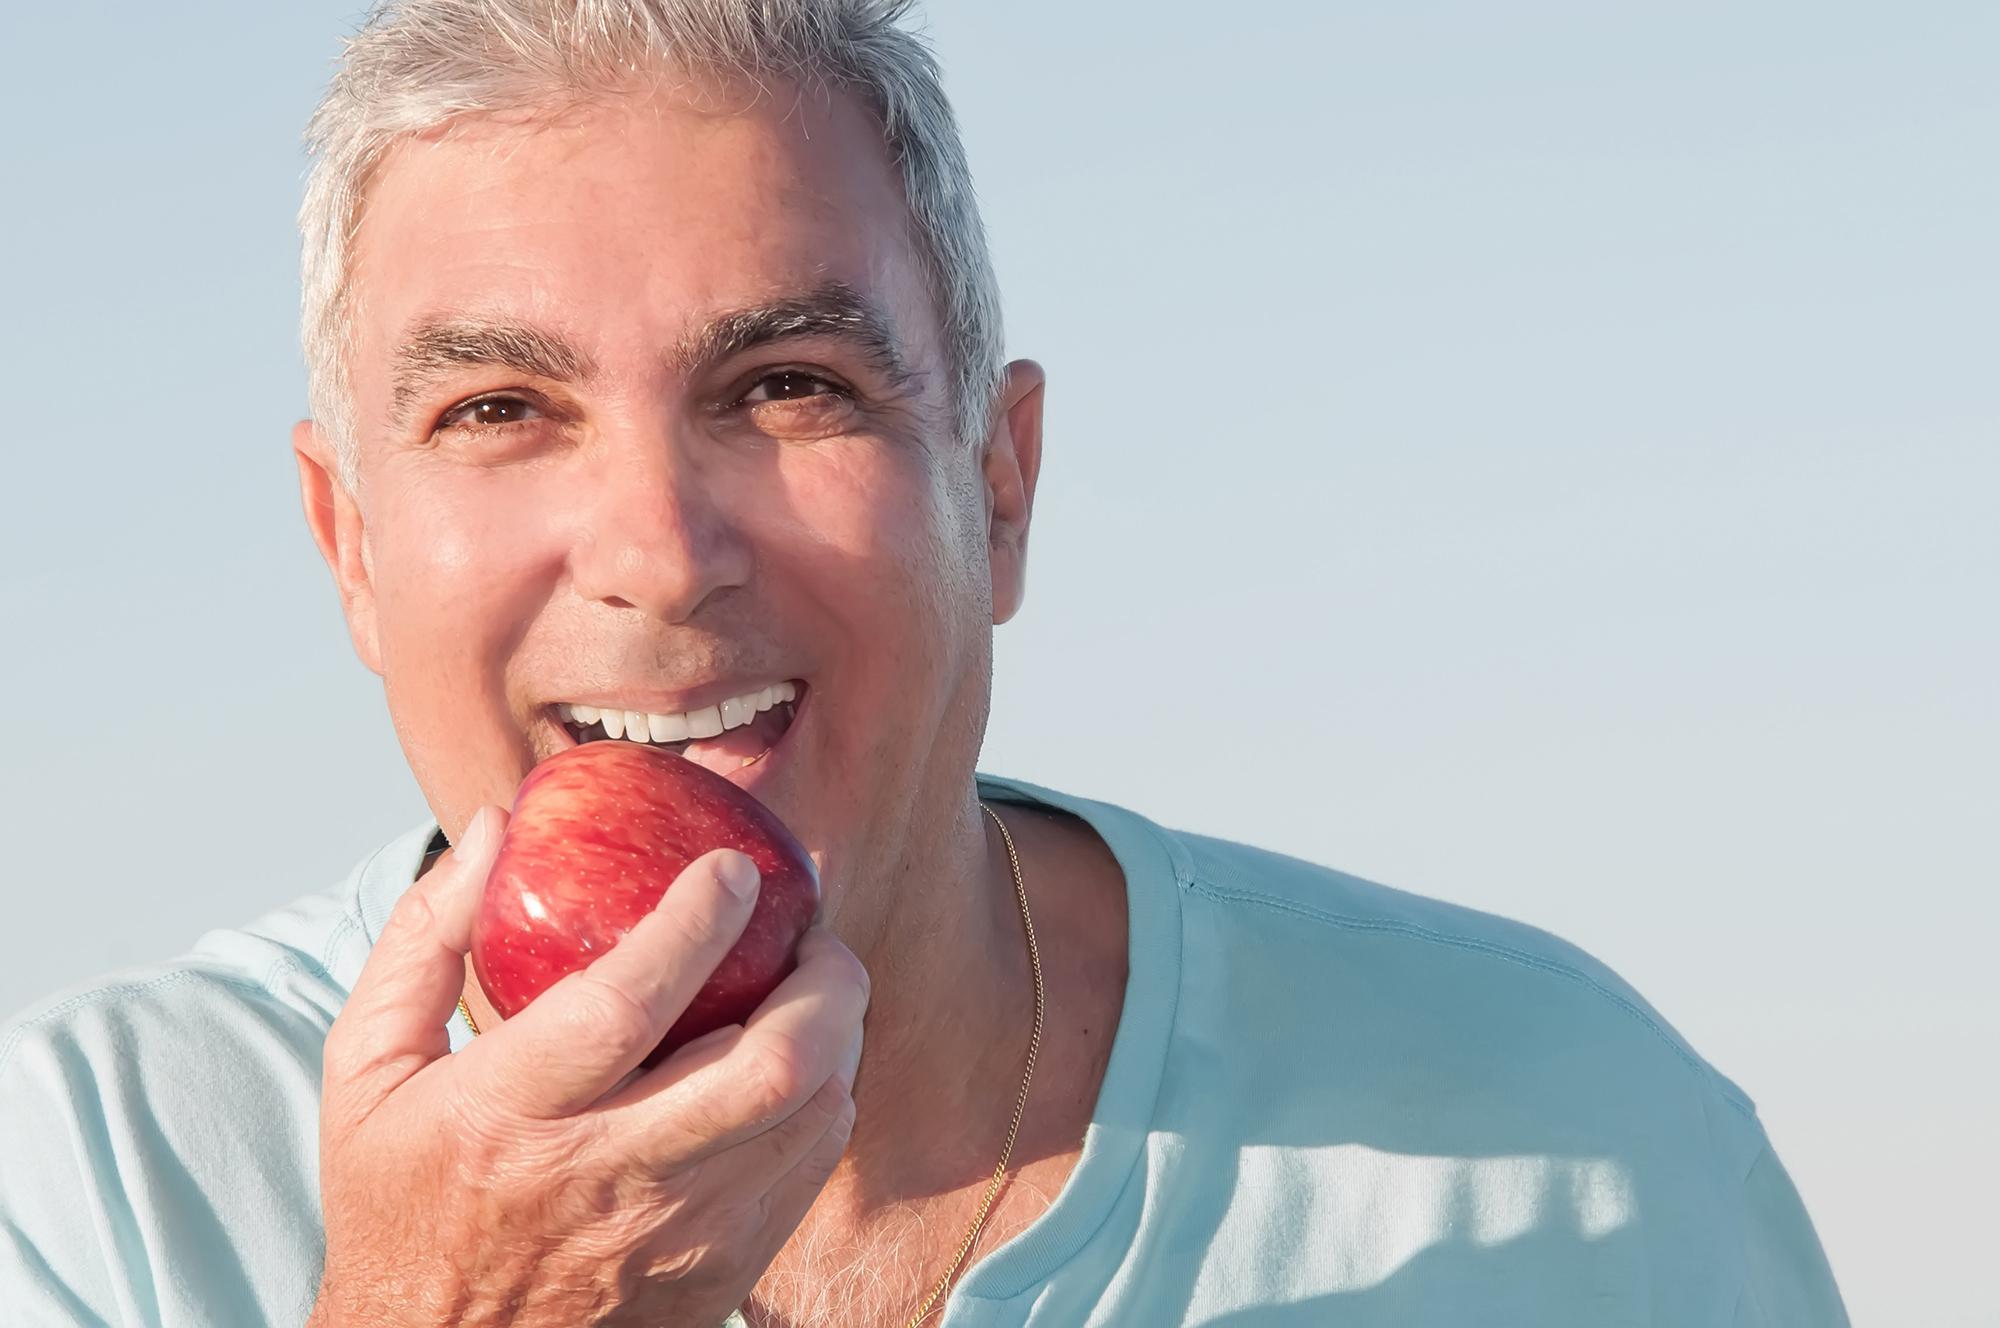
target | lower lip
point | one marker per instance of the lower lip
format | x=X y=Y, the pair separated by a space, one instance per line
x=759 y=774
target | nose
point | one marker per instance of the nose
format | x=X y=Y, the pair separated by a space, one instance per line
x=658 y=535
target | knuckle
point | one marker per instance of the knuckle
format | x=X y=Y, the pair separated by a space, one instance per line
x=599 y=1010
x=831 y=1103
x=817 y=1115
x=416 y=912
x=836 y=1107
x=823 y=1158
x=851 y=970
x=782 y=1072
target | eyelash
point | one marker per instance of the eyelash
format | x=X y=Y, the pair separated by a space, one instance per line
x=833 y=386
x=455 y=418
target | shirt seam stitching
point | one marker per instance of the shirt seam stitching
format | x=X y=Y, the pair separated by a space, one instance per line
x=361 y=879
x=102 y=993
x=349 y=922
x=291 y=962
x=1223 y=894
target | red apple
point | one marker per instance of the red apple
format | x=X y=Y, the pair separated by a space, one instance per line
x=597 y=835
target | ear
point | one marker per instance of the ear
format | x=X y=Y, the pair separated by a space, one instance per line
x=335 y=521
x=1011 y=463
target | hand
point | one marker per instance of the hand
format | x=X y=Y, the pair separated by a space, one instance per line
x=525 y=1181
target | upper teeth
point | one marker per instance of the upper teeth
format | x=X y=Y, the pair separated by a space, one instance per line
x=706 y=722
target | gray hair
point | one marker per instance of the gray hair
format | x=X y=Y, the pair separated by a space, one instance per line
x=418 y=64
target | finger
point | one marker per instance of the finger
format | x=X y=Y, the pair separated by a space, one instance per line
x=708 y=1098
x=808 y=1155
x=850 y=1063
x=762 y=1161
x=590 y=1029
x=792 y=1196
x=769 y=1155
x=787 y=1201
x=393 y=1021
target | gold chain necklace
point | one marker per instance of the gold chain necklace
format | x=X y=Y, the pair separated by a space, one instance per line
x=1020 y=1100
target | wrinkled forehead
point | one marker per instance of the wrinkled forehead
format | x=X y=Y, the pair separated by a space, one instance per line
x=626 y=222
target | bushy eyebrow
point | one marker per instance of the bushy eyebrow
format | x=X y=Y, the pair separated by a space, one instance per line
x=437 y=347
x=834 y=309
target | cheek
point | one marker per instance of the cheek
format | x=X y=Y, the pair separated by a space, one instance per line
x=880 y=534
x=458 y=566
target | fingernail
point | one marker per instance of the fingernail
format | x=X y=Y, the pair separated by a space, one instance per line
x=473 y=842
x=738 y=874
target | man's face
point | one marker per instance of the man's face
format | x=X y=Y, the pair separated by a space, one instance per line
x=654 y=414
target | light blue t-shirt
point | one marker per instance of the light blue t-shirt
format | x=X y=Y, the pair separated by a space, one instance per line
x=1328 y=1103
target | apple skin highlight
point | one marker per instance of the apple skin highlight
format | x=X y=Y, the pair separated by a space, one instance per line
x=597 y=835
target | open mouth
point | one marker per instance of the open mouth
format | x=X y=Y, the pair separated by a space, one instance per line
x=728 y=737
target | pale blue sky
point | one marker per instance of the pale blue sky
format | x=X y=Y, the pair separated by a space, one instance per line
x=1538 y=455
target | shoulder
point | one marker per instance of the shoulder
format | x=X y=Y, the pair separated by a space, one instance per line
x=166 y=1116
x=164 y=1051
x=1415 y=941
x=167 y=1018
x=1448 y=1063
x=160 y=1156
x=258 y=995
x=291 y=965
x=1493 y=1004
x=1388 y=981
x=178 y=1060
x=274 y=971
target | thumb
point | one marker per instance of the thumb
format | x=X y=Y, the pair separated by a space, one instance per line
x=393 y=1022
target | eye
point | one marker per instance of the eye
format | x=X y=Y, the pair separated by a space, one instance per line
x=791 y=385
x=489 y=412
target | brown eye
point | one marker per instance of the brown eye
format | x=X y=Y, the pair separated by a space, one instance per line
x=490 y=412
x=789 y=385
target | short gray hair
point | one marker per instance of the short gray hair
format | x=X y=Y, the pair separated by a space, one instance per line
x=417 y=64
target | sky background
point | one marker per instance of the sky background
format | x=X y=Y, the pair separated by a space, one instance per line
x=1537 y=455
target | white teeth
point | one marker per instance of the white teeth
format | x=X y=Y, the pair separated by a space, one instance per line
x=707 y=722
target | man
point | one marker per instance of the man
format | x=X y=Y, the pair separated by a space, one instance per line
x=658 y=396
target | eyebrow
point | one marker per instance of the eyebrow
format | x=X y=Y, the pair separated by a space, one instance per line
x=834 y=309
x=437 y=347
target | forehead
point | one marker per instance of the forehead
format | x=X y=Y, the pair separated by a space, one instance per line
x=620 y=222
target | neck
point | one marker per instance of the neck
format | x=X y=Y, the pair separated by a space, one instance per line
x=949 y=1017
